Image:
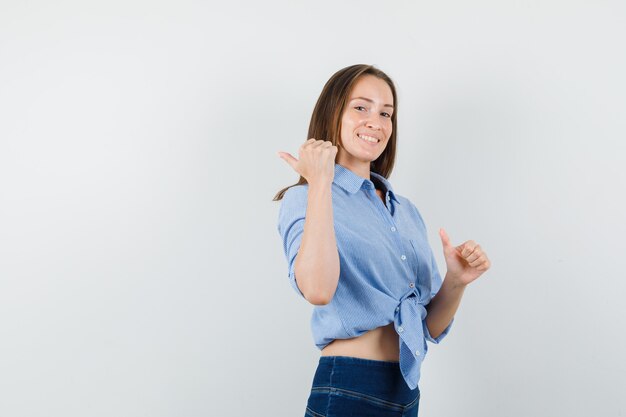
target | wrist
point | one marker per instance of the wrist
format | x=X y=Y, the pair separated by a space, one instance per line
x=320 y=185
x=453 y=283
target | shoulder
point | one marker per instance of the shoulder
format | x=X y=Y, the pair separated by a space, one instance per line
x=295 y=195
x=294 y=201
x=405 y=201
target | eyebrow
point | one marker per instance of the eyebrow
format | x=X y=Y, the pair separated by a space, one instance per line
x=370 y=100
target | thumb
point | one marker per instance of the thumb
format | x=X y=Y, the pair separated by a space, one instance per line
x=447 y=245
x=286 y=156
x=445 y=240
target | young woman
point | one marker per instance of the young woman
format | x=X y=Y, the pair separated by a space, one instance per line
x=359 y=253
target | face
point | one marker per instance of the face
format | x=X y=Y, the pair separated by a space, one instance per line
x=366 y=123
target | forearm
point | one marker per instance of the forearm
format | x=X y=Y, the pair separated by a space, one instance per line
x=317 y=262
x=443 y=307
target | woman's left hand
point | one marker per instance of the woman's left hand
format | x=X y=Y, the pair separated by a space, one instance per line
x=465 y=262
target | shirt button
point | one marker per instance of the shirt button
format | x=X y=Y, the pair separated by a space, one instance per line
x=417 y=353
x=403 y=257
x=388 y=198
x=393 y=229
x=397 y=308
x=411 y=284
x=400 y=329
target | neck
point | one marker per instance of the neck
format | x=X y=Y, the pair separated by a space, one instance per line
x=360 y=168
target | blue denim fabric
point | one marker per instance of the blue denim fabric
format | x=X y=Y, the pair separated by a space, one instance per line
x=350 y=386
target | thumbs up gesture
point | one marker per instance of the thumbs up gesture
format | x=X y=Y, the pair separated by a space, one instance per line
x=465 y=262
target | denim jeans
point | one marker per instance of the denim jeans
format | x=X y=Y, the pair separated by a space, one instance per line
x=349 y=386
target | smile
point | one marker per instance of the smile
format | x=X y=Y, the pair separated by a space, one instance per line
x=368 y=138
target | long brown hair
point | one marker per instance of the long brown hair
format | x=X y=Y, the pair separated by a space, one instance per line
x=326 y=119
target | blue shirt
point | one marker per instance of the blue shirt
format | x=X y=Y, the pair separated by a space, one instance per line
x=388 y=272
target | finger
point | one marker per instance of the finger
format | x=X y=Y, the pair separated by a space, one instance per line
x=323 y=145
x=306 y=143
x=445 y=240
x=311 y=145
x=288 y=158
x=319 y=143
x=484 y=266
x=476 y=262
x=467 y=248
x=474 y=255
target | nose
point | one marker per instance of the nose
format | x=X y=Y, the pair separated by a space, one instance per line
x=372 y=123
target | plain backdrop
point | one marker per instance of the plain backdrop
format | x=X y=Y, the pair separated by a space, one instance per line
x=141 y=271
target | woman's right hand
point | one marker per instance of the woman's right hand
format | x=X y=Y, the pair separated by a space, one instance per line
x=316 y=163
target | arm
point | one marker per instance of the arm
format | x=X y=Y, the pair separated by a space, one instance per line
x=317 y=261
x=465 y=264
x=443 y=306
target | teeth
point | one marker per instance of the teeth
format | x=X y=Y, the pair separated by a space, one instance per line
x=368 y=138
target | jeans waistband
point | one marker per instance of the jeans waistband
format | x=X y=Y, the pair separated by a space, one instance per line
x=357 y=361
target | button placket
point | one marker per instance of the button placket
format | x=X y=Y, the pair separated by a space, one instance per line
x=371 y=192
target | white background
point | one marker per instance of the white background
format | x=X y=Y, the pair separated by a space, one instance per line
x=141 y=271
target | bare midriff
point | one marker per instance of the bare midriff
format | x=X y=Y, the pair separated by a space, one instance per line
x=380 y=344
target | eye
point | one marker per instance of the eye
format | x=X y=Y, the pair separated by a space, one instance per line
x=384 y=113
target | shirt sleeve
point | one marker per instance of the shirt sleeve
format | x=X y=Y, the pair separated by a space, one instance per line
x=435 y=285
x=291 y=216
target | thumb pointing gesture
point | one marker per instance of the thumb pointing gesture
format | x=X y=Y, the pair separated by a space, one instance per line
x=288 y=158
x=465 y=262
x=451 y=251
x=316 y=161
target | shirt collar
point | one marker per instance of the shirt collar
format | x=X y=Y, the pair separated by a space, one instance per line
x=352 y=182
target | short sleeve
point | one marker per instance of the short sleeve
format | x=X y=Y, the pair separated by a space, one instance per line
x=438 y=338
x=291 y=216
x=435 y=285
